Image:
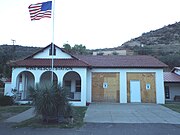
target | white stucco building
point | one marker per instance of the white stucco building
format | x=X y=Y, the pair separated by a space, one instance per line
x=121 y=79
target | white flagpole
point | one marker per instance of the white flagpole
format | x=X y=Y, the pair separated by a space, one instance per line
x=52 y=64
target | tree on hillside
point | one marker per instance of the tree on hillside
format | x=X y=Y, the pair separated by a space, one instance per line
x=67 y=47
x=76 y=49
x=79 y=49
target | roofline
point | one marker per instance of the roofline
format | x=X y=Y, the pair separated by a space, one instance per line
x=89 y=66
x=41 y=50
x=171 y=81
x=49 y=66
x=174 y=69
x=124 y=67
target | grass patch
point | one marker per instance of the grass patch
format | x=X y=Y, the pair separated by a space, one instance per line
x=9 y=111
x=36 y=122
x=173 y=106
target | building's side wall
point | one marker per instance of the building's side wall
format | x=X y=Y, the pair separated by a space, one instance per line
x=45 y=54
x=174 y=90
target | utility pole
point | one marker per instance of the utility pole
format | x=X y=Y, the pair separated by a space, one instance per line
x=13 y=41
x=14 y=49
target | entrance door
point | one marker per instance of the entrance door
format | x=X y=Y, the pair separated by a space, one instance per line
x=135 y=93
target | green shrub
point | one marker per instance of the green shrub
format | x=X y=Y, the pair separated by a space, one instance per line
x=6 y=100
x=51 y=102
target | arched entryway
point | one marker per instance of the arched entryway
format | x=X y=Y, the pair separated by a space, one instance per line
x=46 y=78
x=72 y=82
x=24 y=81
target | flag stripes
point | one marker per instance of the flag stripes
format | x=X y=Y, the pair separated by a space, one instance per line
x=40 y=10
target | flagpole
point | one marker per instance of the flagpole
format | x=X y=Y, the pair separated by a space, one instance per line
x=52 y=64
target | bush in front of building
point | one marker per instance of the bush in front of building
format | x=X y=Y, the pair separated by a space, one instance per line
x=51 y=102
x=6 y=100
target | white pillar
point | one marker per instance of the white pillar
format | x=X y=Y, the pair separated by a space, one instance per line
x=160 y=96
x=37 y=76
x=83 y=88
x=22 y=90
x=60 y=75
x=123 y=87
x=13 y=79
x=89 y=87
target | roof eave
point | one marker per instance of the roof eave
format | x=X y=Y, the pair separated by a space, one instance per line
x=127 y=67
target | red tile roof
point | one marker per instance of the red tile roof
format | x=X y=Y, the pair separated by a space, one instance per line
x=123 y=61
x=47 y=63
x=171 y=77
x=92 y=61
x=95 y=61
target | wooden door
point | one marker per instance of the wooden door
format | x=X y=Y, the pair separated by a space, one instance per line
x=105 y=87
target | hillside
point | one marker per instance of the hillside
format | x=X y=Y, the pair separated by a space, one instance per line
x=163 y=43
x=168 y=35
x=17 y=51
x=13 y=52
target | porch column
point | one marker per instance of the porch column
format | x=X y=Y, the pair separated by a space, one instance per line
x=83 y=87
x=14 y=79
x=60 y=76
x=23 y=87
x=37 y=76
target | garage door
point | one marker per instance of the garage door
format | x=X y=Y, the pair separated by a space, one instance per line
x=105 y=87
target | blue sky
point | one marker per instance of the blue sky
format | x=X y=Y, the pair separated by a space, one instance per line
x=93 y=23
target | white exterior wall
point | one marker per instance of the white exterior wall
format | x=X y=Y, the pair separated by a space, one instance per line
x=160 y=95
x=159 y=81
x=86 y=81
x=45 y=54
x=60 y=74
x=123 y=86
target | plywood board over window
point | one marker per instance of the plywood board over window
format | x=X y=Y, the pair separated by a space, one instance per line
x=105 y=87
x=147 y=86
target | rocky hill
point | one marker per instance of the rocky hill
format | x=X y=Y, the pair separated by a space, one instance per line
x=168 y=35
x=163 y=43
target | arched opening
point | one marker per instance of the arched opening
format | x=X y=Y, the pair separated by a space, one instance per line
x=72 y=82
x=24 y=81
x=46 y=79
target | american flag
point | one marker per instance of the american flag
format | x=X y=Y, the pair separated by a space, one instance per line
x=40 y=10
